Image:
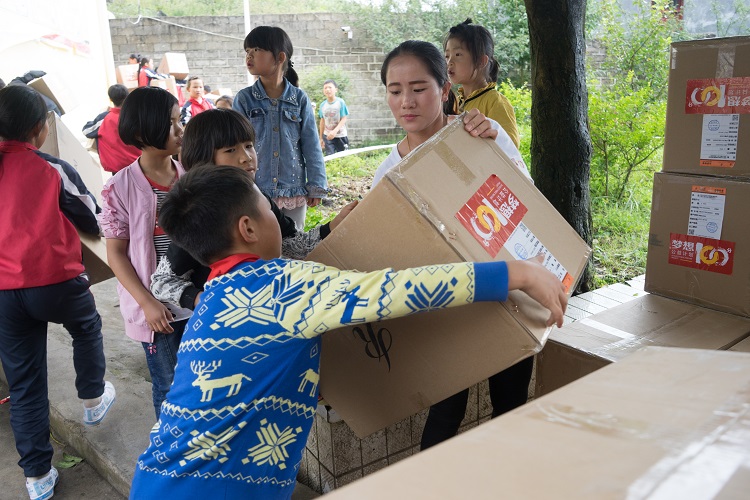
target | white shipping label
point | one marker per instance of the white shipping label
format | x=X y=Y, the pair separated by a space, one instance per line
x=706 y=211
x=523 y=245
x=719 y=140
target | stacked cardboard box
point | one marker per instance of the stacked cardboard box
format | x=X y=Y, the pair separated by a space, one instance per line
x=456 y=198
x=699 y=242
x=175 y=64
x=664 y=423
x=127 y=74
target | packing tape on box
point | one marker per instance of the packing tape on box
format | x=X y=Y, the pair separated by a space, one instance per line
x=724 y=60
x=700 y=466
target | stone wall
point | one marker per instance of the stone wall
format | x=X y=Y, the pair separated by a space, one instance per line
x=213 y=46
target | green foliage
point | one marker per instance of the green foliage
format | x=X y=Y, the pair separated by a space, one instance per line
x=315 y=216
x=312 y=81
x=520 y=98
x=627 y=107
x=390 y=22
x=354 y=166
x=733 y=19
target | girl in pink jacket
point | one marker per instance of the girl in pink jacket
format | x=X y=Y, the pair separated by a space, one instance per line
x=150 y=121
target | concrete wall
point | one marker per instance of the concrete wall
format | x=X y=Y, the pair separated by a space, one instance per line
x=213 y=46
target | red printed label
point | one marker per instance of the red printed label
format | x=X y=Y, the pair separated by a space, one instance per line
x=697 y=252
x=492 y=214
x=718 y=96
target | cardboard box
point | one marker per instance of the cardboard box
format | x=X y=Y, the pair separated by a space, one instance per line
x=127 y=75
x=421 y=214
x=168 y=84
x=54 y=88
x=742 y=346
x=584 y=346
x=708 y=108
x=699 y=242
x=61 y=143
x=175 y=64
x=665 y=423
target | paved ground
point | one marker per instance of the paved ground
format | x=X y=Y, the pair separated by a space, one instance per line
x=112 y=448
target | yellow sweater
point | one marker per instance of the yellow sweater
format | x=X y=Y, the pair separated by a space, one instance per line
x=493 y=105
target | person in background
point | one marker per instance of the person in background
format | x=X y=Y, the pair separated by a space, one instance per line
x=134 y=59
x=114 y=155
x=470 y=55
x=30 y=76
x=146 y=72
x=42 y=280
x=131 y=200
x=196 y=103
x=255 y=337
x=293 y=173
x=333 y=114
x=225 y=102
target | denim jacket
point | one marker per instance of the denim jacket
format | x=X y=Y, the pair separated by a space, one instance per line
x=290 y=161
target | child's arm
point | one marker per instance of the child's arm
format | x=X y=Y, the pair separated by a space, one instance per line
x=91 y=129
x=157 y=314
x=315 y=170
x=76 y=202
x=332 y=133
x=168 y=286
x=321 y=129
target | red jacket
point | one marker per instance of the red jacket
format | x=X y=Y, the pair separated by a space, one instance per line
x=40 y=199
x=192 y=108
x=113 y=153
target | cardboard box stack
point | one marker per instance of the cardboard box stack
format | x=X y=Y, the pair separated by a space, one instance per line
x=699 y=242
x=175 y=64
x=453 y=199
x=664 y=423
x=127 y=74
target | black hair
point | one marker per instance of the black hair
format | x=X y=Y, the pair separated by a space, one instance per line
x=224 y=98
x=22 y=110
x=331 y=81
x=117 y=94
x=425 y=52
x=187 y=85
x=2 y=83
x=201 y=211
x=276 y=41
x=137 y=57
x=478 y=41
x=211 y=130
x=146 y=117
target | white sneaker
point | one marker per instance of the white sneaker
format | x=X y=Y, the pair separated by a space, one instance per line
x=44 y=487
x=95 y=415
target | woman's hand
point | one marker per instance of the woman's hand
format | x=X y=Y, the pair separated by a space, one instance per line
x=479 y=125
x=158 y=316
x=313 y=202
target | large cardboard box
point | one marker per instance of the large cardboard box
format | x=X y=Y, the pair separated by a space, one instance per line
x=699 y=242
x=167 y=84
x=127 y=75
x=54 y=88
x=61 y=143
x=175 y=64
x=456 y=198
x=708 y=108
x=665 y=423
x=584 y=346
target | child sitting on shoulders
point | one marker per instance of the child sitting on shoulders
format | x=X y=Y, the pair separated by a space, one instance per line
x=237 y=417
x=196 y=103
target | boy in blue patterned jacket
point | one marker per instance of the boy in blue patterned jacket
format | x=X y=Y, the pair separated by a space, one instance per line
x=237 y=417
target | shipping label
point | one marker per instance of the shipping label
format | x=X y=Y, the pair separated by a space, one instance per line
x=523 y=244
x=492 y=214
x=719 y=140
x=718 y=96
x=706 y=211
x=697 y=252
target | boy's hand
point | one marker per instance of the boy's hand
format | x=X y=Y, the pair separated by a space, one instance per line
x=346 y=210
x=197 y=299
x=331 y=135
x=479 y=125
x=530 y=276
x=322 y=144
x=158 y=316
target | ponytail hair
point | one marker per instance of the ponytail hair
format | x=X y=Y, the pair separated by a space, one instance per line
x=275 y=40
x=478 y=41
x=22 y=109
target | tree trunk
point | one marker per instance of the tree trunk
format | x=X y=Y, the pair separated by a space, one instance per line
x=560 y=141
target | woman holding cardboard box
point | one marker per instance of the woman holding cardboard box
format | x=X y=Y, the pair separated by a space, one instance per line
x=415 y=75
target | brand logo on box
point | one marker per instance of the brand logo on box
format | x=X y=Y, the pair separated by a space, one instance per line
x=701 y=253
x=718 y=96
x=492 y=214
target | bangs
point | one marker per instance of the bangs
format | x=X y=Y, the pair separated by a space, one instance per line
x=233 y=129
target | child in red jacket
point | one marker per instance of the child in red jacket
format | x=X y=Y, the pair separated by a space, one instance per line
x=196 y=104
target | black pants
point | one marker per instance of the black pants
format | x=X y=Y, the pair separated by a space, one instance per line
x=335 y=145
x=509 y=389
x=24 y=315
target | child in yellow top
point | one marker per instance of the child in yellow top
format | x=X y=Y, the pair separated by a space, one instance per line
x=469 y=51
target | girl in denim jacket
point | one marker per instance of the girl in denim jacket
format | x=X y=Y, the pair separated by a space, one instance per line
x=150 y=121
x=291 y=169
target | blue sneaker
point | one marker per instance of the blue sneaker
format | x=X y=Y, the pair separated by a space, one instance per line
x=44 y=487
x=94 y=416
